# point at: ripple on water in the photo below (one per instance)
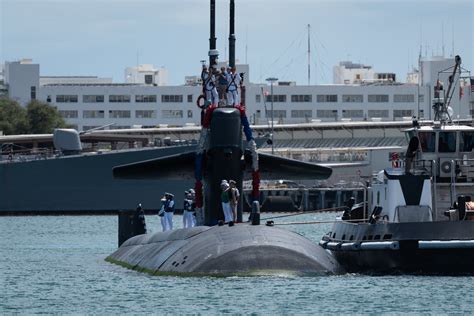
(56, 265)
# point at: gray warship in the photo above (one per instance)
(71, 181)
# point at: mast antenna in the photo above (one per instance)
(452, 28)
(442, 38)
(309, 55)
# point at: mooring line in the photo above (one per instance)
(307, 212)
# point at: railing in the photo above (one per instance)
(460, 169)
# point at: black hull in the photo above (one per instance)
(421, 248)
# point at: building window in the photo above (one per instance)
(301, 98)
(301, 113)
(427, 141)
(145, 114)
(190, 113)
(68, 114)
(93, 114)
(405, 98)
(190, 98)
(92, 98)
(352, 113)
(63, 98)
(276, 114)
(466, 142)
(119, 114)
(258, 98)
(326, 113)
(447, 142)
(327, 98)
(402, 113)
(33, 93)
(421, 98)
(378, 98)
(119, 98)
(48, 99)
(171, 114)
(377, 113)
(276, 98)
(151, 98)
(148, 79)
(352, 98)
(171, 98)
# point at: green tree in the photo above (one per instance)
(43, 118)
(13, 118)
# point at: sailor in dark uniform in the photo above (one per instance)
(188, 210)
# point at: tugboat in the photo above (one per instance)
(418, 218)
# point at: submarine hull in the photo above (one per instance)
(222, 250)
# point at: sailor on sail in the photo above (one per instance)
(233, 79)
(208, 81)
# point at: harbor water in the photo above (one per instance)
(56, 265)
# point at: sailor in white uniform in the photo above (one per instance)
(225, 201)
(209, 83)
(169, 211)
(233, 84)
(161, 214)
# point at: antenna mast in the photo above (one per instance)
(213, 53)
(442, 38)
(232, 35)
(309, 55)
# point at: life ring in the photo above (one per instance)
(198, 101)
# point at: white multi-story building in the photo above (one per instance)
(96, 102)
(349, 73)
(146, 74)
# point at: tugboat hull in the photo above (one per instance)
(422, 248)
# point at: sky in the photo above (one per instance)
(103, 37)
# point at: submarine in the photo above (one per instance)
(213, 248)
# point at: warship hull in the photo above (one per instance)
(83, 184)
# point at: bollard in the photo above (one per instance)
(255, 213)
